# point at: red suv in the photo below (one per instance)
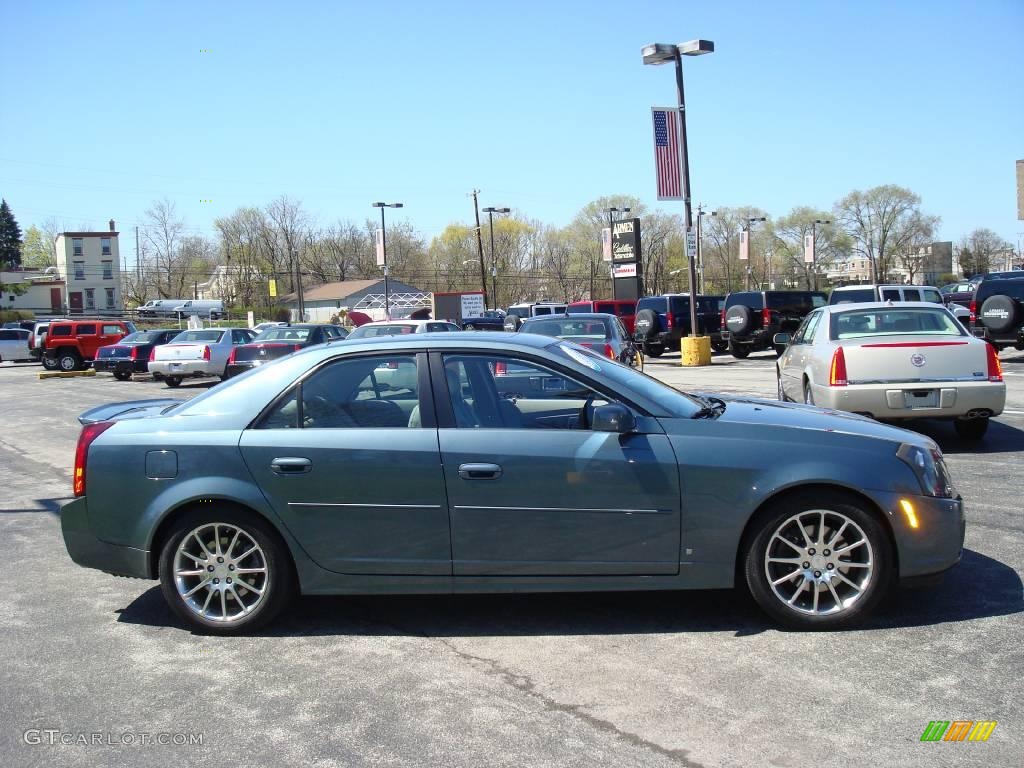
(71, 344)
(624, 309)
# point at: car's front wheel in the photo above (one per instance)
(69, 361)
(654, 350)
(225, 572)
(122, 375)
(818, 561)
(781, 391)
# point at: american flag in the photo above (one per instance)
(666, 153)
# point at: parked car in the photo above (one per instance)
(848, 294)
(14, 345)
(602, 333)
(998, 312)
(196, 354)
(519, 312)
(160, 308)
(959, 293)
(490, 320)
(260, 327)
(277, 342)
(661, 321)
(624, 309)
(911, 360)
(71, 344)
(131, 354)
(25, 325)
(750, 319)
(307, 476)
(37, 343)
(206, 308)
(401, 328)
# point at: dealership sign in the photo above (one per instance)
(626, 240)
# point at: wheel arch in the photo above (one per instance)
(852, 495)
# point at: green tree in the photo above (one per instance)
(37, 250)
(831, 243)
(983, 251)
(10, 237)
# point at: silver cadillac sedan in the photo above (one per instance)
(906, 360)
(461, 462)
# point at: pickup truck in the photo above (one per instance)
(198, 353)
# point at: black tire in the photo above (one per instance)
(654, 350)
(739, 351)
(738, 319)
(69, 360)
(122, 375)
(808, 393)
(719, 345)
(779, 391)
(1000, 313)
(173, 381)
(278, 587)
(645, 325)
(971, 429)
(862, 524)
(49, 363)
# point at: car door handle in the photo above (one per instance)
(291, 465)
(479, 471)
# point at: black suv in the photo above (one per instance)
(998, 312)
(661, 321)
(751, 318)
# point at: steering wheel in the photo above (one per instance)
(318, 411)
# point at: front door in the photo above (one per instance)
(352, 468)
(532, 491)
(75, 302)
(56, 305)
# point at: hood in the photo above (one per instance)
(133, 409)
(753, 410)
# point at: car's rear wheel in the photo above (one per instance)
(654, 350)
(224, 571)
(69, 361)
(50, 363)
(739, 351)
(781, 391)
(122, 375)
(719, 346)
(173, 381)
(808, 393)
(971, 429)
(818, 561)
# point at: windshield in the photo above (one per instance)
(391, 329)
(624, 379)
(862, 323)
(187, 336)
(283, 334)
(569, 329)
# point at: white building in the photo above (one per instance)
(89, 263)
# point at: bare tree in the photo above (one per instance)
(162, 234)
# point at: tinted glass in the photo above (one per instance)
(911, 294)
(893, 322)
(284, 334)
(567, 328)
(87, 329)
(60, 330)
(6, 335)
(929, 294)
(365, 392)
(856, 295)
(578, 309)
(1014, 288)
(750, 299)
(795, 301)
(391, 329)
(187, 336)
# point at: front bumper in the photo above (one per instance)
(182, 368)
(89, 552)
(120, 365)
(888, 401)
(936, 544)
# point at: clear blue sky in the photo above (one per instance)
(543, 105)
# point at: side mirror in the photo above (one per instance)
(613, 418)
(781, 339)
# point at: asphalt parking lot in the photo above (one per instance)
(662, 679)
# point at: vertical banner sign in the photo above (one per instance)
(744, 245)
(809, 249)
(627, 271)
(691, 242)
(272, 288)
(380, 247)
(606, 244)
(666, 153)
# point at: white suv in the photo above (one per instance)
(874, 292)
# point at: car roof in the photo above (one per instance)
(403, 320)
(573, 317)
(855, 305)
(479, 339)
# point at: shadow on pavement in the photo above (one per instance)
(1000, 438)
(980, 587)
(45, 505)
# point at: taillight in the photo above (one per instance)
(296, 347)
(974, 310)
(668, 319)
(31, 341)
(152, 354)
(722, 313)
(500, 369)
(135, 353)
(995, 368)
(89, 433)
(766, 317)
(837, 371)
(609, 352)
(206, 353)
(231, 357)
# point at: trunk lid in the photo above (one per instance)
(180, 352)
(906, 359)
(134, 409)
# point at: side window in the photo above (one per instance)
(109, 330)
(6, 335)
(890, 294)
(239, 336)
(87, 329)
(498, 392)
(813, 321)
(436, 327)
(911, 294)
(60, 330)
(798, 336)
(930, 295)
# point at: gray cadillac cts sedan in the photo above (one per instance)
(496, 463)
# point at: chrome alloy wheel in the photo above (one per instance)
(819, 562)
(220, 572)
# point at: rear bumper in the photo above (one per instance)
(120, 365)
(182, 368)
(89, 552)
(241, 367)
(887, 401)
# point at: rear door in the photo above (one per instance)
(349, 459)
(87, 335)
(532, 491)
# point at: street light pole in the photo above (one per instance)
(814, 251)
(751, 220)
(490, 211)
(384, 255)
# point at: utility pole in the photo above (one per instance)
(138, 258)
(480, 244)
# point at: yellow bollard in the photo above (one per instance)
(696, 350)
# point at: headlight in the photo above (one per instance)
(930, 469)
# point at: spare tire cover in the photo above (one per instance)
(738, 319)
(512, 322)
(646, 324)
(999, 313)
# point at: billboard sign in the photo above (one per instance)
(626, 240)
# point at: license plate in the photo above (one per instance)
(175, 366)
(921, 398)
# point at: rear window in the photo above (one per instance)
(188, 336)
(284, 334)
(1013, 288)
(143, 337)
(854, 296)
(578, 309)
(795, 301)
(392, 329)
(567, 328)
(750, 299)
(857, 324)
(681, 305)
(654, 303)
